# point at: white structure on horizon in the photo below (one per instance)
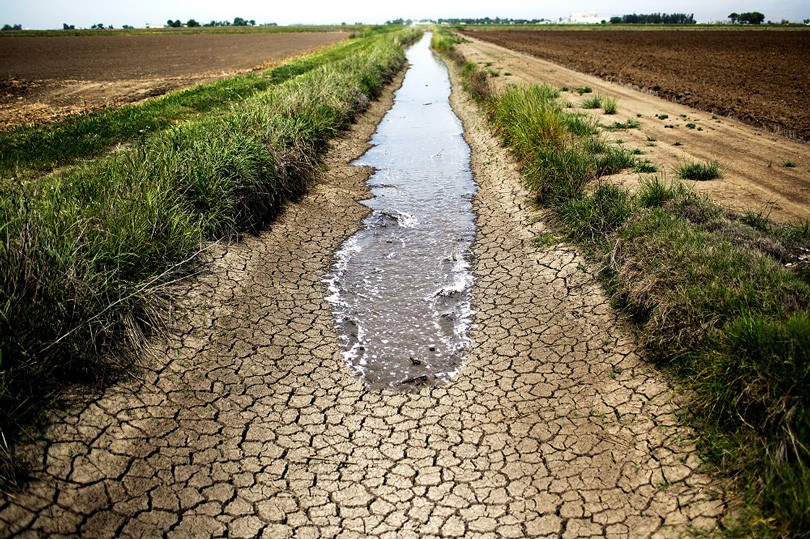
(587, 17)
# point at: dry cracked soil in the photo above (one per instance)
(246, 422)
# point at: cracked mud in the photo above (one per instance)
(247, 422)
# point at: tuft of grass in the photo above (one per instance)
(593, 102)
(789, 164)
(545, 240)
(583, 90)
(610, 105)
(655, 191)
(699, 171)
(644, 167)
(628, 124)
(691, 125)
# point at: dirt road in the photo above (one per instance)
(753, 161)
(44, 78)
(248, 423)
(758, 76)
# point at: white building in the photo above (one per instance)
(587, 17)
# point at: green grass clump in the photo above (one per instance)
(593, 102)
(583, 90)
(628, 124)
(644, 167)
(609, 105)
(789, 164)
(698, 171)
(86, 253)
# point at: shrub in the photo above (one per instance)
(699, 171)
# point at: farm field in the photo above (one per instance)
(759, 77)
(755, 175)
(44, 78)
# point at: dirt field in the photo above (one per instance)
(759, 77)
(42, 78)
(753, 162)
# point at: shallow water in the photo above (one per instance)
(401, 285)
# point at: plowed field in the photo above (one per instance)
(760, 77)
(47, 77)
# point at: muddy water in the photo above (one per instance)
(401, 285)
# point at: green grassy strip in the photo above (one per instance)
(85, 254)
(29, 150)
(358, 28)
(719, 299)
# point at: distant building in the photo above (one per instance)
(587, 17)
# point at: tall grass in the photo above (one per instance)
(86, 254)
(720, 300)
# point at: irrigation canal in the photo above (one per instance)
(401, 285)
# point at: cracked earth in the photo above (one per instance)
(246, 421)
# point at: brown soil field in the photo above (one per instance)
(759, 77)
(43, 78)
(755, 177)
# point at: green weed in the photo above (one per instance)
(698, 171)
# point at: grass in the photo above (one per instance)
(789, 164)
(698, 171)
(609, 105)
(593, 102)
(86, 253)
(720, 300)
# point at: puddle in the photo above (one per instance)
(401, 285)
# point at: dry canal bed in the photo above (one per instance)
(42, 78)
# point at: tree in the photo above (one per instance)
(239, 21)
(615, 20)
(733, 17)
(753, 17)
(66, 26)
(174, 24)
(7, 27)
(192, 23)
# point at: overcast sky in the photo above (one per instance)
(83, 13)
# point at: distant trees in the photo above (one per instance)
(100, 26)
(66, 26)
(192, 23)
(733, 17)
(9, 27)
(655, 18)
(174, 24)
(753, 17)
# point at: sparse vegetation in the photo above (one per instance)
(609, 105)
(698, 171)
(583, 90)
(719, 300)
(789, 164)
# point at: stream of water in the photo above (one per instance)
(401, 285)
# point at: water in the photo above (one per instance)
(401, 285)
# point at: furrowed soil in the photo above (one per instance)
(761, 77)
(45, 78)
(753, 162)
(247, 422)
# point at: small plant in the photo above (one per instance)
(662, 116)
(609, 105)
(697, 171)
(789, 164)
(645, 167)
(637, 151)
(651, 138)
(507, 74)
(629, 124)
(565, 89)
(691, 125)
(669, 126)
(593, 102)
(544, 240)
(583, 90)
(677, 143)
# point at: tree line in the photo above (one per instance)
(752, 17)
(655, 18)
(191, 23)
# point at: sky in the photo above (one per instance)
(39, 14)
